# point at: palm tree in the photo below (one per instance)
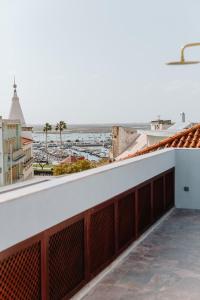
(46, 129)
(60, 126)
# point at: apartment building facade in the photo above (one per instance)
(11, 152)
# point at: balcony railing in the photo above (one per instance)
(17, 155)
(57, 235)
(28, 162)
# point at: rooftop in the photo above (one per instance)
(26, 141)
(161, 121)
(188, 138)
(71, 159)
(60, 237)
(165, 265)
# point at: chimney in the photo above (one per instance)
(182, 117)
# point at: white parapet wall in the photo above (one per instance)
(187, 192)
(30, 210)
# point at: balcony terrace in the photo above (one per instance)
(59, 235)
(165, 265)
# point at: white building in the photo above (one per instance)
(126, 141)
(11, 152)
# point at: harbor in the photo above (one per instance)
(91, 146)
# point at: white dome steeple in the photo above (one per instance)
(15, 110)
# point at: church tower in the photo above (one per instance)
(15, 110)
(26, 135)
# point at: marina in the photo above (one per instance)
(91, 146)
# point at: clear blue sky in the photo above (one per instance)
(90, 61)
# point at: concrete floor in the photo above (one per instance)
(165, 266)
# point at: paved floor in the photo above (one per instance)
(166, 265)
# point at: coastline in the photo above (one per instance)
(92, 128)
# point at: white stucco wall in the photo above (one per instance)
(30, 210)
(187, 174)
(154, 139)
(1, 155)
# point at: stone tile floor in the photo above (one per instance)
(166, 265)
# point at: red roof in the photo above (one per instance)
(71, 159)
(26, 141)
(188, 138)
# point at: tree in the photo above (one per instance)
(69, 168)
(78, 166)
(42, 165)
(60, 126)
(46, 129)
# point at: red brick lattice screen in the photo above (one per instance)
(158, 198)
(144, 207)
(102, 237)
(20, 274)
(66, 271)
(59, 261)
(126, 220)
(169, 189)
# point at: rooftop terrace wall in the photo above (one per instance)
(188, 177)
(30, 210)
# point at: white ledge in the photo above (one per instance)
(22, 189)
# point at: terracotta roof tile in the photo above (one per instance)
(188, 138)
(72, 159)
(26, 141)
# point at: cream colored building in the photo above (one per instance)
(28, 158)
(11, 152)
